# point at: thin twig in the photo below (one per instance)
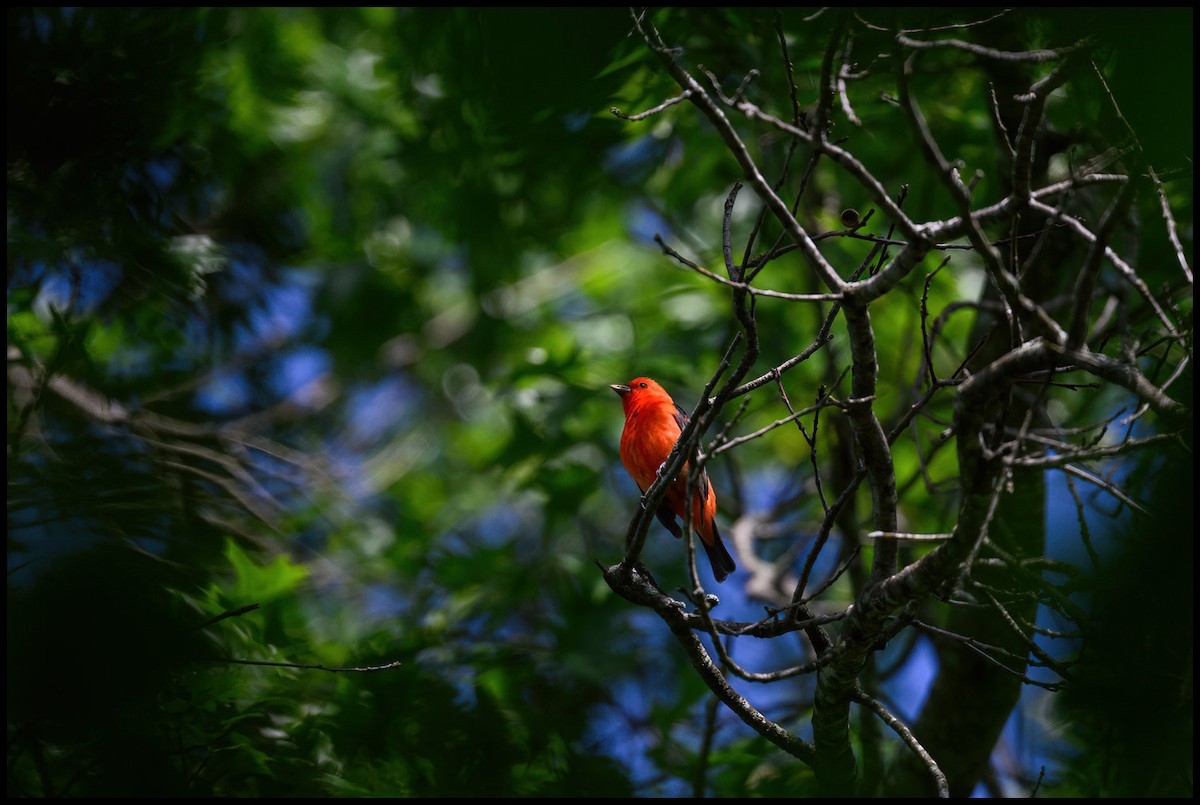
(304, 667)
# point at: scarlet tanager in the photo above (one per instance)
(653, 423)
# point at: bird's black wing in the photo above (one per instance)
(681, 419)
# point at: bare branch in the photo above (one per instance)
(906, 735)
(1027, 56)
(300, 666)
(649, 112)
(1172, 228)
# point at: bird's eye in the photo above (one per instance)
(643, 385)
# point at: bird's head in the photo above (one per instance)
(641, 391)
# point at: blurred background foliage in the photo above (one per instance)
(315, 309)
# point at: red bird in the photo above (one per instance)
(653, 423)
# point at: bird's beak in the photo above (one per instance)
(620, 388)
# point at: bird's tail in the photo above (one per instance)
(718, 556)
